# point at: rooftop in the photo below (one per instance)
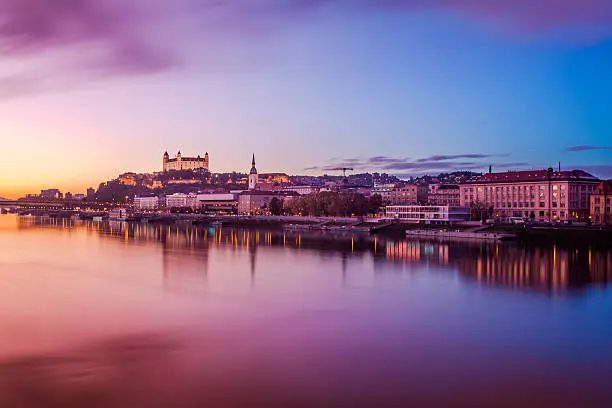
(533, 175)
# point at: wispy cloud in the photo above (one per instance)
(117, 31)
(431, 164)
(120, 37)
(583, 148)
(439, 158)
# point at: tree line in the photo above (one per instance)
(331, 204)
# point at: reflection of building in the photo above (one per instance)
(185, 163)
(541, 195)
(511, 266)
(444, 194)
(428, 214)
(601, 199)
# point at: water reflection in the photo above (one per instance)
(136, 315)
(508, 265)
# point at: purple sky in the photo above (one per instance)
(89, 89)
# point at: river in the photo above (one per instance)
(133, 315)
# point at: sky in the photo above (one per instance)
(90, 89)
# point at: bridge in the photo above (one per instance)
(51, 205)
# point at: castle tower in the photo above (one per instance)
(165, 161)
(253, 177)
(206, 162)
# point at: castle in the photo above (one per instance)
(185, 163)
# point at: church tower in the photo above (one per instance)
(165, 161)
(253, 177)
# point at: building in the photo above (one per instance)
(444, 194)
(218, 203)
(253, 177)
(180, 200)
(601, 204)
(91, 193)
(128, 179)
(540, 195)
(304, 190)
(78, 196)
(274, 178)
(257, 202)
(51, 194)
(146, 203)
(185, 163)
(403, 195)
(68, 196)
(428, 214)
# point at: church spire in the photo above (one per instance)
(253, 169)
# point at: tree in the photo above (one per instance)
(276, 206)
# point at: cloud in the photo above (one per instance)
(435, 163)
(583, 148)
(453, 157)
(115, 32)
(140, 37)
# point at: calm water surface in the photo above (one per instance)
(118, 315)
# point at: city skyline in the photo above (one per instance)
(106, 87)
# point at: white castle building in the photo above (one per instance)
(185, 163)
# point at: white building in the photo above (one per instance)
(180, 200)
(253, 176)
(146, 203)
(428, 214)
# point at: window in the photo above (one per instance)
(541, 213)
(542, 205)
(555, 187)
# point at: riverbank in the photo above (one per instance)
(562, 234)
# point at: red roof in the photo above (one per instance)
(604, 188)
(533, 175)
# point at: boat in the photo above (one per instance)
(216, 224)
(487, 236)
(97, 218)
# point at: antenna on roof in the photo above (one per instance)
(490, 168)
(559, 166)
